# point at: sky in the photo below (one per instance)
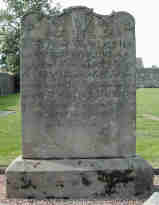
(146, 14)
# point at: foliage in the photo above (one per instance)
(10, 19)
(9, 48)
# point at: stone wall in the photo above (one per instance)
(6, 84)
(147, 78)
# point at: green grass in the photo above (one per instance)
(10, 130)
(10, 102)
(147, 130)
(147, 101)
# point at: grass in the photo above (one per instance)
(10, 102)
(10, 130)
(147, 130)
(148, 101)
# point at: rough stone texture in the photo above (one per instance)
(6, 84)
(78, 108)
(79, 178)
(78, 85)
(147, 78)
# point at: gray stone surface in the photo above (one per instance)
(79, 178)
(153, 200)
(78, 109)
(78, 85)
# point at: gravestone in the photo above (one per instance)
(78, 108)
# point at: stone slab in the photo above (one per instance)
(153, 200)
(78, 85)
(79, 178)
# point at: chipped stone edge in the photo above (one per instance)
(71, 9)
(137, 168)
(4, 168)
(77, 164)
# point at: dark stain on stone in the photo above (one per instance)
(27, 183)
(79, 162)
(54, 197)
(112, 179)
(36, 164)
(60, 185)
(8, 182)
(137, 194)
(85, 181)
(2, 171)
(50, 197)
(30, 197)
(139, 189)
(66, 197)
(34, 186)
(95, 194)
(142, 182)
(74, 183)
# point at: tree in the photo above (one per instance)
(10, 26)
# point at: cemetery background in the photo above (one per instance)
(147, 128)
(151, 116)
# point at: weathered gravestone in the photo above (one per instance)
(78, 108)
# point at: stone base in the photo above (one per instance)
(123, 178)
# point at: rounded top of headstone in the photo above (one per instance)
(78, 74)
(69, 9)
(32, 16)
(86, 9)
(124, 13)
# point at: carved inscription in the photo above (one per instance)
(78, 85)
